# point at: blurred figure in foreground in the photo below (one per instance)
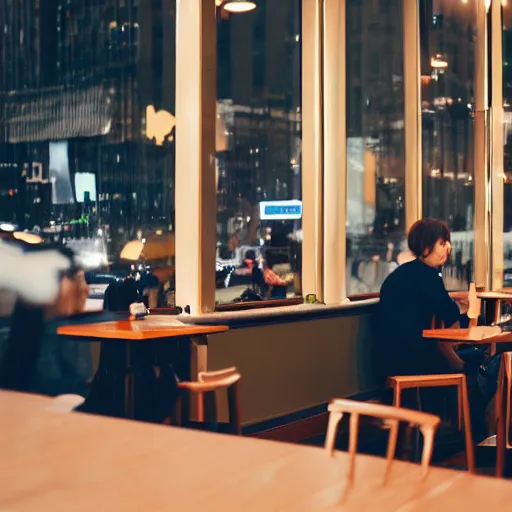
(46, 284)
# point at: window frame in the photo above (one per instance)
(324, 167)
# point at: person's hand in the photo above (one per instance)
(463, 305)
(462, 300)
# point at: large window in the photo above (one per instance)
(375, 142)
(507, 140)
(259, 152)
(87, 133)
(448, 35)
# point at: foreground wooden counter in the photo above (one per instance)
(76, 462)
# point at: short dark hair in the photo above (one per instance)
(424, 234)
(250, 255)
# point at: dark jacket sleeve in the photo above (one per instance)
(442, 304)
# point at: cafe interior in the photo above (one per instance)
(210, 214)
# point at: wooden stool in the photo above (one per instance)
(503, 412)
(205, 389)
(427, 423)
(399, 383)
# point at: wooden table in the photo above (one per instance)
(507, 297)
(126, 346)
(464, 336)
(77, 462)
(150, 328)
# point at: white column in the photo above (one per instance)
(312, 148)
(497, 149)
(481, 145)
(412, 112)
(196, 96)
(335, 151)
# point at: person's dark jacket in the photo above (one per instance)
(409, 298)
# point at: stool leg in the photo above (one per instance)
(500, 447)
(428, 448)
(470, 451)
(497, 312)
(397, 392)
(417, 440)
(460, 400)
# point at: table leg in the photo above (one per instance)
(497, 312)
(129, 383)
(108, 387)
(198, 356)
(198, 363)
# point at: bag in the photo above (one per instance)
(487, 377)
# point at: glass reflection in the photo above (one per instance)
(87, 93)
(259, 152)
(507, 134)
(375, 142)
(447, 32)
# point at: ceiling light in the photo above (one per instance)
(239, 5)
(439, 61)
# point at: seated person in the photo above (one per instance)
(257, 281)
(410, 297)
(275, 284)
(266, 283)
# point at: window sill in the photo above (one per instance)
(282, 314)
(242, 306)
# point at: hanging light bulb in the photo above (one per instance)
(239, 5)
(218, 3)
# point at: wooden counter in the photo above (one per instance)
(77, 462)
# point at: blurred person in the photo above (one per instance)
(266, 283)
(258, 285)
(20, 274)
(276, 285)
(72, 296)
(49, 285)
